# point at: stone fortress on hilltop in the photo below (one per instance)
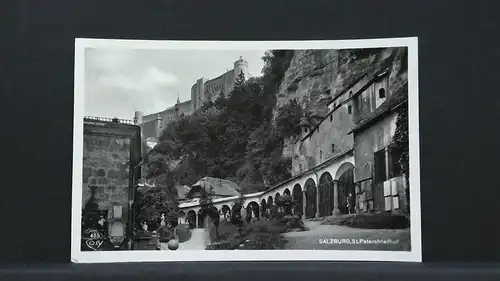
(202, 91)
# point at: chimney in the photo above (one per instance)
(138, 117)
(158, 125)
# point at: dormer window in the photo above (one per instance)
(305, 130)
(381, 93)
(350, 93)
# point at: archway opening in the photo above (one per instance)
(253, 211)
(270, 201)
(226, 212)
(287, 192)
(347, 191)
(297, 198)
(191, 219)
(326, 199)
(310, 188)
(263, 206)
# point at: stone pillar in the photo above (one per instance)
(158, 125)
(243, 213)
(317, 201)
(336, 210)
(196, 216)
(304, 204)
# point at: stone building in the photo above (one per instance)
(111, 154)
(380, 185)
(202, 91)
(356, 132)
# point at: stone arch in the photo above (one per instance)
(225, 211)
(326, 197)
(346, 166)
(270, 201)
(276, 197)
(253, 210)
(297, 198)
(345, 177)
(287, 192)
(263, 205)
(191, 218)
(310, 188)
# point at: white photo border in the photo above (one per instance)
(415, 255)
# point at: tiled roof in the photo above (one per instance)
(220, 187)
(397, 98)
(182, 191)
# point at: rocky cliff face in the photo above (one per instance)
(316, 76)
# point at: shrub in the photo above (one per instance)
(372, 221)
(293, 222)
(226, 230)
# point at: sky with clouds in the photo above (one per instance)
(121, 81)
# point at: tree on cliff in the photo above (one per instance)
(287, 119)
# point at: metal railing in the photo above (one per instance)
(109, 120)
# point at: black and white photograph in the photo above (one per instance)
(246, 150)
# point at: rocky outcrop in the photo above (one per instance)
(316, 76)
(308, 79)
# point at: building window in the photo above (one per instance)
(333, 147)
(379, 166)
(331, 117)
(334, 105)
(305, 130)
(321, 155)
(350, 93)
(349, 109)
(381, 93)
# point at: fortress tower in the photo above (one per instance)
(240, 66)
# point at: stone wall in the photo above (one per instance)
(108, 155)
(371, 195)
(224, 83)
(328, 140)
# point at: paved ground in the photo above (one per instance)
(327, 237)
(198, 240)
